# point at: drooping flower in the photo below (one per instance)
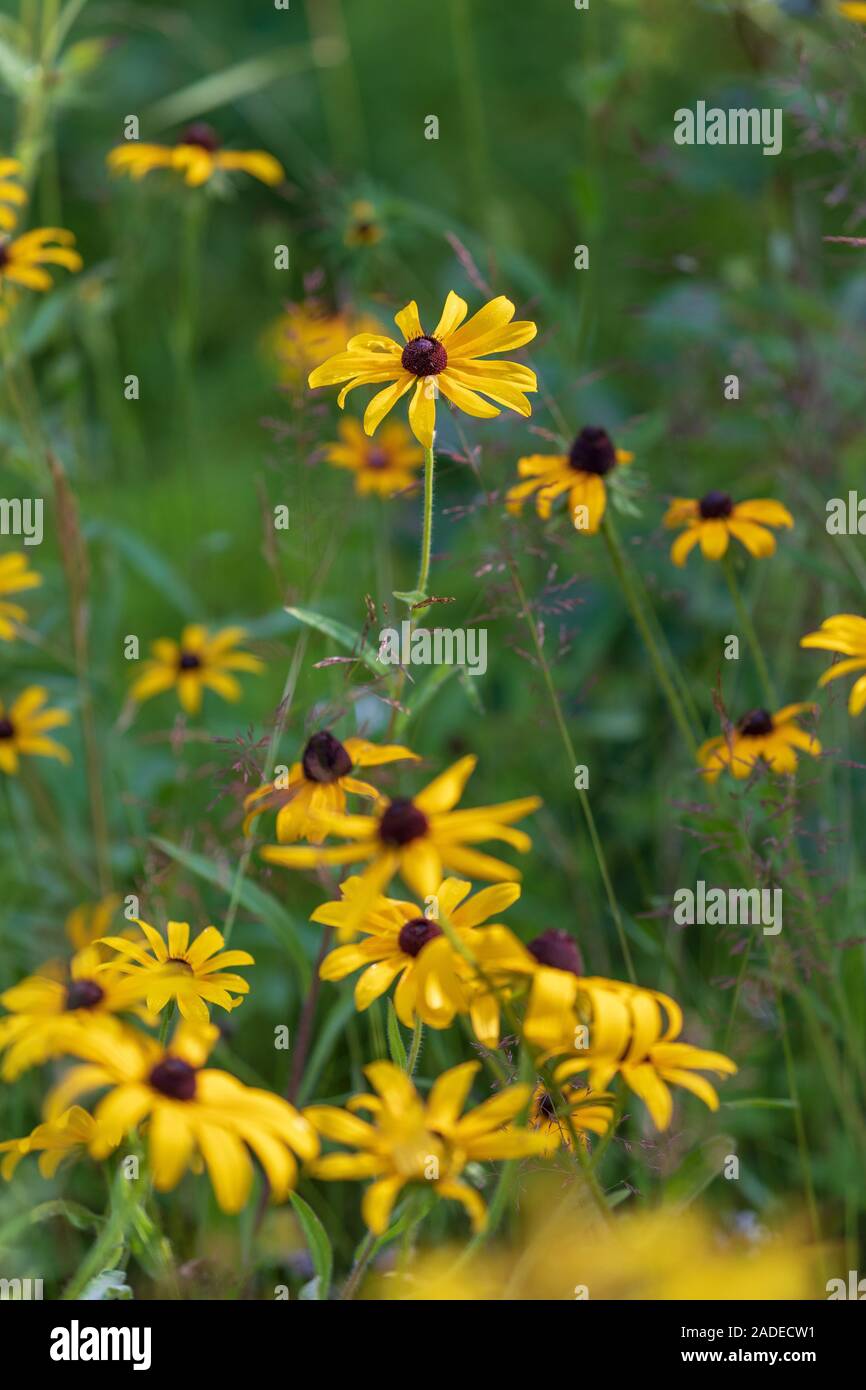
(450, 360)
(417, 837)
(585, 1112)
(23, 260)
(410, 1141)
(15, 577)
(194, 1113)
(759, 737)
(715, 517)
(46, 1010)
(405, 941)
(23, 726)
(198, 156)
(581, 473)
(87, 922)
(191, 973)
(383, 466)
(11, 192)
(196, 663)
(54, 1140)
(845, 634)
(319, 782)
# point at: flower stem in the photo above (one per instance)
(415, 1048)
(748, 627)
(427, 533)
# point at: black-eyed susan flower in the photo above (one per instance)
(192, 973)
(319, 782)
(844, 634)
(15, 576)
(12, 195)
(23, 259)
(715, 517)
(197, 662)
(417, 837)
(436, 981)
(45, 1010)
(193, 1113)
(759, 737)
(198, 156)
(853, 9)
(87, 922)
(581, 473)
(581, 1112)
(67, 1136)
(23, 728)
(384, 465)
(408, 1141)
(363, 227)
(450, 360)
(608, 1028)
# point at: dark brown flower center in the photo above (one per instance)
(7, 729)
(756, 723)
(325, 759)
(83, 994)
(425, 357)
(715, 504)
(174, 1078)
(5, 258)
(415, 935)
(189, 661)
(401, 823)
(201, 134)
(557, 949)
(377, 458)
(546, 1107)
(593, 451)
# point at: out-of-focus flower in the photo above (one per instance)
(89, 921)
(196, 663)
(715, 517)
(319, 782)
(198, 156)
(585, 1112)
(759, 737)
(73, 1130)
(307, 333)
(450, 360)
(23, 726)
(15, 576)
(844, 634)
(417, 837)
(363, 227)
(23, 259)
(581, 473)
(408, 1140)
(11, 192)
(194, 1114)
(383, 466)
(853, 9)
(191, 974)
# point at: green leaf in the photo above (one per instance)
(148, 564)
(79, 1217)
(318, 1244)
(220, 88)
(341, 634)
(252, 898)
(410, 596)
(760, 1103)
(395, 1041)
(109, 1285)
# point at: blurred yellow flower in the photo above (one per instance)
(581, 473)
(384, 466)
(197, 156)
(23, 726)
(449, 360)
(192, 974)
(15, 577)
(844, 634)
(306, 333)
(408, 1140)
(715, 517)
(198, 662)
(23, 259)
(759, 737)
(89, 921)
(363, 227)
(53, 1140)
(585, 1112)
(853, 9)
(11, 192)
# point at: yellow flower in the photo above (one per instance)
(436, 981)
(45, 1010)
(714, 518)
(605, 1027)
(22, 260)
(759, 736)
(193, 1113)
(417, 837)
(15, 576)
(410, 1141)
(10, 192)
(89, 921)
(448, 360)
(306, 333)
(197, 662)
(580, 473)
(53, 1141)
(846, 634)
(364, 228)
(384, 467)
(319, 782)
(23, 727)
(193, 974)
(197, 155)
(853, 9)
(587, 1111)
